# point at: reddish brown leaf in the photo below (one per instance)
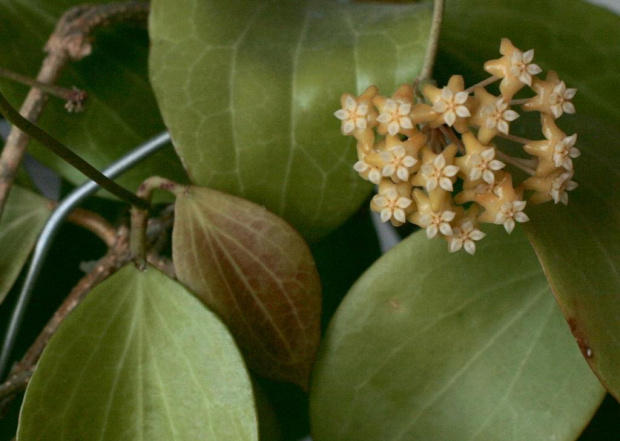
(257, 273)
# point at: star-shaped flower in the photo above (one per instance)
(451, 104)
(552, 96)
(503, 205)
(515, 68)
(391, 204)
(357, 115)
(492, 115)
(398, 165)
(479, 162)
(437, 222)
(554, 187)
(465, 236)
(437, 170)
(556, 151)
(394, 112)
(434, 219)
(369, 172)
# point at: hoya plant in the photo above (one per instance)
(199, 202)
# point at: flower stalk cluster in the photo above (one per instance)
(416, 146)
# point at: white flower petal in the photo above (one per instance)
(476, 235)
(462, 111)
(360, 166)
(450, 170)
(488, 177)
(569, 94)
(475, 173)
(445, 229)
(568, 107)
(496, 165)
(362, 109)
(470, 247)
(431, 184)
(502, 126)
(341, 114)
(510, 115)
(374, 176)
(564, 198)
(533, 69)
(490, 122)
(431, 231)
(380, 201)
(449, 117)
(488, 154)
(350, 103)
(448, 216)
(425, 220)
(440, 106)
(521, 217)
(528, 56)
(525, 78)
(509, 225)
(460, 97)
(388, 170)
(409, 161)
(446, 184)
(386, 214)
(402, 173)
(399, 215)
(384, 118)
(403, 202)
(404, 109)
(393, 128)
(405, 123)
(569, 141)
(390, 106)
(455, 245)
(439, 162)
(360, 123)
(518, 205)
(556, 109)
(447, 94)
(348, 127)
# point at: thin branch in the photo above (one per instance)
(71, 40)
(433, 41)
(94, 223)
(15, 384)
(65, 153)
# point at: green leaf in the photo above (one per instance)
(20, 225)
(432, 345)
(256, 273)
(578, 245)
(120, 111)
(139, 359)
(248, 91)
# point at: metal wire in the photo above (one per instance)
(51, 229)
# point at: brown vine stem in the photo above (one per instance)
(433, 41)
(139, 216)
(65, 153)
(71, 40)
(94, 223)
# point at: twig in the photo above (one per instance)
(65, 153)
(71, 40)
(15, 384)
(433, 41)
(94, 223)
(74, 97)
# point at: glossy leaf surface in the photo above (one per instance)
(22, 221)
(140, 358)
(120, 111)
(248, 91)
(256, 273)
(432, 345)
(578, 245)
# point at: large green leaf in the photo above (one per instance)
(140, 359)
(578, 245)
(22, 221)
(120, 111)
(248, 91)
(430, 345)
(256, 272)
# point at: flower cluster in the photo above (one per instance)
(416, 145)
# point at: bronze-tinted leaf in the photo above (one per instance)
(257, 273)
